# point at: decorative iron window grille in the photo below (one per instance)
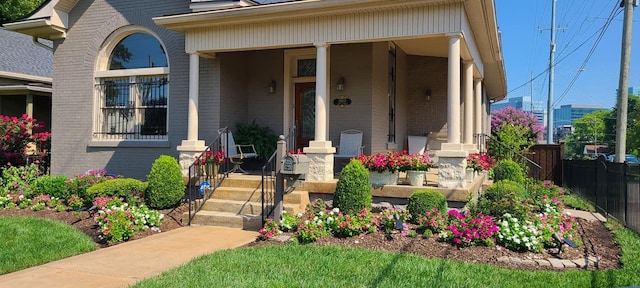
(132, 108)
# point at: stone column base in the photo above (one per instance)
(189, 150)
(452, 166)
(320, 155)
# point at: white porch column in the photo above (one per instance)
(191, 147)
(453, 86)
(468, 103)
(477, 107)
(322, 83)
(452, 158)
(320, 150)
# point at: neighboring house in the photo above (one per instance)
(595, 150)
(136, 79)
(25, 77)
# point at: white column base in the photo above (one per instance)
(320, 155)
(452, 165)
(471, 148)
(189, 150)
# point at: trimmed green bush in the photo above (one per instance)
(353, 190)
(126, 188)
(54, 186)
(422, 201)
(166, 187)
(503, 197)
(507, 169)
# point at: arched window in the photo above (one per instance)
(132, 87)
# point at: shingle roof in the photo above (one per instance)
(18, 54)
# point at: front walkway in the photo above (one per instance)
(130, 262)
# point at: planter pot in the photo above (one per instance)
(470, 174)
(416, 178)
(209, 170)
(378, 179)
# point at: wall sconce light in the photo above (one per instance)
(341, 101)
(340, 84)
(272, 87)
(427, 95)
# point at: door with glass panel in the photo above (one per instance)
(305, 113)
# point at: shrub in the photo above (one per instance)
(353, 191)
(129, 189)
(503, 197)
(80, 184)
(468, 229)
(423, 201)
(387, 221)
(508, 169)
(519, 235)
(166, 187)
(17, 134)
(54, 186)
(19, 179)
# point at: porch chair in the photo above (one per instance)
(236, 152)
(417, 144)
(350, 144)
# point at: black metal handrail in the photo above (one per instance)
(483, 137)
(269, 176)
(205, 179)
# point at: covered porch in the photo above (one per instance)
(390, 69)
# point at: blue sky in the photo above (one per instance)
(525, 29)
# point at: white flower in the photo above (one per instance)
(336, 210)
(299, 215)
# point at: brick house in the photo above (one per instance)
(136, 79)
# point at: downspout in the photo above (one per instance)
(35, 41)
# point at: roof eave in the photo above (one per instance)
(39, 28)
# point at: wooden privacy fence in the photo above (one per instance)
(549, 157)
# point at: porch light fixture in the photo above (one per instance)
(272, 87)
(340, 84)
(427, 95)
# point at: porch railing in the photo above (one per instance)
(205, 179)
(484, 140)
(269, 177)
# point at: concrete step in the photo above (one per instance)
(243, 181)
(255, 195)
(225, 219)
(243, 207)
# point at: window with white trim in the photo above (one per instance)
(131, 88)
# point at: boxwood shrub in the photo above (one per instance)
(166, 186)
(422, 201)
(353, 190)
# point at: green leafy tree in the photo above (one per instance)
(633, 126)
(11, 10)
(589, 130)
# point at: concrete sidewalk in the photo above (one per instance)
(130, 262)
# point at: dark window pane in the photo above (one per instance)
(307, 67)
(138, 50)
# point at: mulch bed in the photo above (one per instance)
(596, 240)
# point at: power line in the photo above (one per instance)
(586, 60)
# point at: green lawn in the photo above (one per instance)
(27, 242)
(311, 266)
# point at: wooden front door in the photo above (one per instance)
(305, 113)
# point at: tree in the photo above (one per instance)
(633, 126)
(11, 10)
(589, 130)
(515, 131)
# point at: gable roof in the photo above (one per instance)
(23, 58)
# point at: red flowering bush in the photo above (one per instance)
(479, 162)
(381, 162)
(211, 157)
(414, 162)
(467, 229)
(16, 134)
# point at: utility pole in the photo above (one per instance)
(623, 92)
(551, 74)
